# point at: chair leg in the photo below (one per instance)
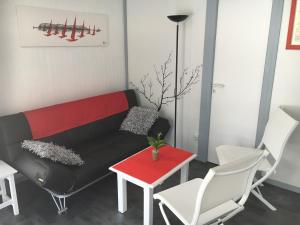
(258, 190)
(220, 222)
(262, 199)
(163, 213)
(260, 185)
(60, 203)
(230, 215)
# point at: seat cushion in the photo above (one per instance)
(229, 153)
(181, 200)
(101, 153)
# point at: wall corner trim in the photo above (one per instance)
(269, 70)
(207, 77)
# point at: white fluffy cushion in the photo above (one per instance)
(139, 120)
(53, 152)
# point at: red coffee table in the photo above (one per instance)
(141, 170)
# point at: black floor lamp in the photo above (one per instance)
(176, 19)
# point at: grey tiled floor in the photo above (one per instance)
(97, 205)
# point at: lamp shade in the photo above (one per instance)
(177, 18)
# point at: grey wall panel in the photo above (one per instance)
(207, 77)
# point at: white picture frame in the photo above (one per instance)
(40, 27)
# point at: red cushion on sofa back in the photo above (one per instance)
(51, 120)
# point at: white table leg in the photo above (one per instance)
(184, 173)
(3, 190)
(148, 206)
(122, 194)
(13, 193)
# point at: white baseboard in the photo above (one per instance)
(284, 185)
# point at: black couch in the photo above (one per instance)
(90, 127)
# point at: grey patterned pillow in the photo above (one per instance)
(53, 152)
(139, 120)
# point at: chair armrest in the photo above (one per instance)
(45, 173)
(161, 125)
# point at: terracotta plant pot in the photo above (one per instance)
(155, 154)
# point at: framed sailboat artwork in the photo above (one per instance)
(51, 27)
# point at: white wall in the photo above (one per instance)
(286, 92)
(35, 77)
(151, 37)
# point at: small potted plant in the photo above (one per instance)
(157, 143)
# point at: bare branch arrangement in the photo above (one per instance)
(186, 81)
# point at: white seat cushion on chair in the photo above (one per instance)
(181, 200)
(229, 153)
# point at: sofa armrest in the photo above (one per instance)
(161, 125)
(49, 175)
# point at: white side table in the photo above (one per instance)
(7, 172)
(135, 170)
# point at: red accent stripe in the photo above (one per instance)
(54, 119)
(289, 44)
(144, 168)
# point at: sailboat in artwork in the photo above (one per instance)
(82, 31)
(64, 30)
(89, 30)
(74, 30)
(94, 30)
(49, 30)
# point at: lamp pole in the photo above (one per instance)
(177, 19)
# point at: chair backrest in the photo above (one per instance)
(277, 132)
(231, 181)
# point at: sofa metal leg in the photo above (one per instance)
(60, 203)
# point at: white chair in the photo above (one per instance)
(214, 199)
(277, 132)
